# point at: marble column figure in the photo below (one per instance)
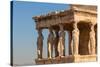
(56, 40)
(92, 38)
(70, 43)
(95, 28)
(40, 44)
(61, 44)
(75, 38)
(50, 44)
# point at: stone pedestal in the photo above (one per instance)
(85, 58)
(68, 59)
(39, 62)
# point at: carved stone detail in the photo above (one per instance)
(50, 43)
(40, 44)
(61, 44)
(75, 38)
(92, 38)
(70, 43)
(56, 40)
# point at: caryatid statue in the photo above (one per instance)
(61, 44)
(75, 38)
(92, 39)
(40, 44)
(56, 40)
(50, 43)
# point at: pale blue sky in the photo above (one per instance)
(24, 32)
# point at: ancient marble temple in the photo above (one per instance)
(81, 23)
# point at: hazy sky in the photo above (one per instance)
(24, 32)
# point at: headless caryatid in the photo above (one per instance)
(92, 39)
(56, 40)
(50, 44)
(75, 38)
(39, 44)
(61, 44)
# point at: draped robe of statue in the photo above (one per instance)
(89, 47)
(61, 44)
(40, 45)
(75, 37)
(92, 39)
(50, 44)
